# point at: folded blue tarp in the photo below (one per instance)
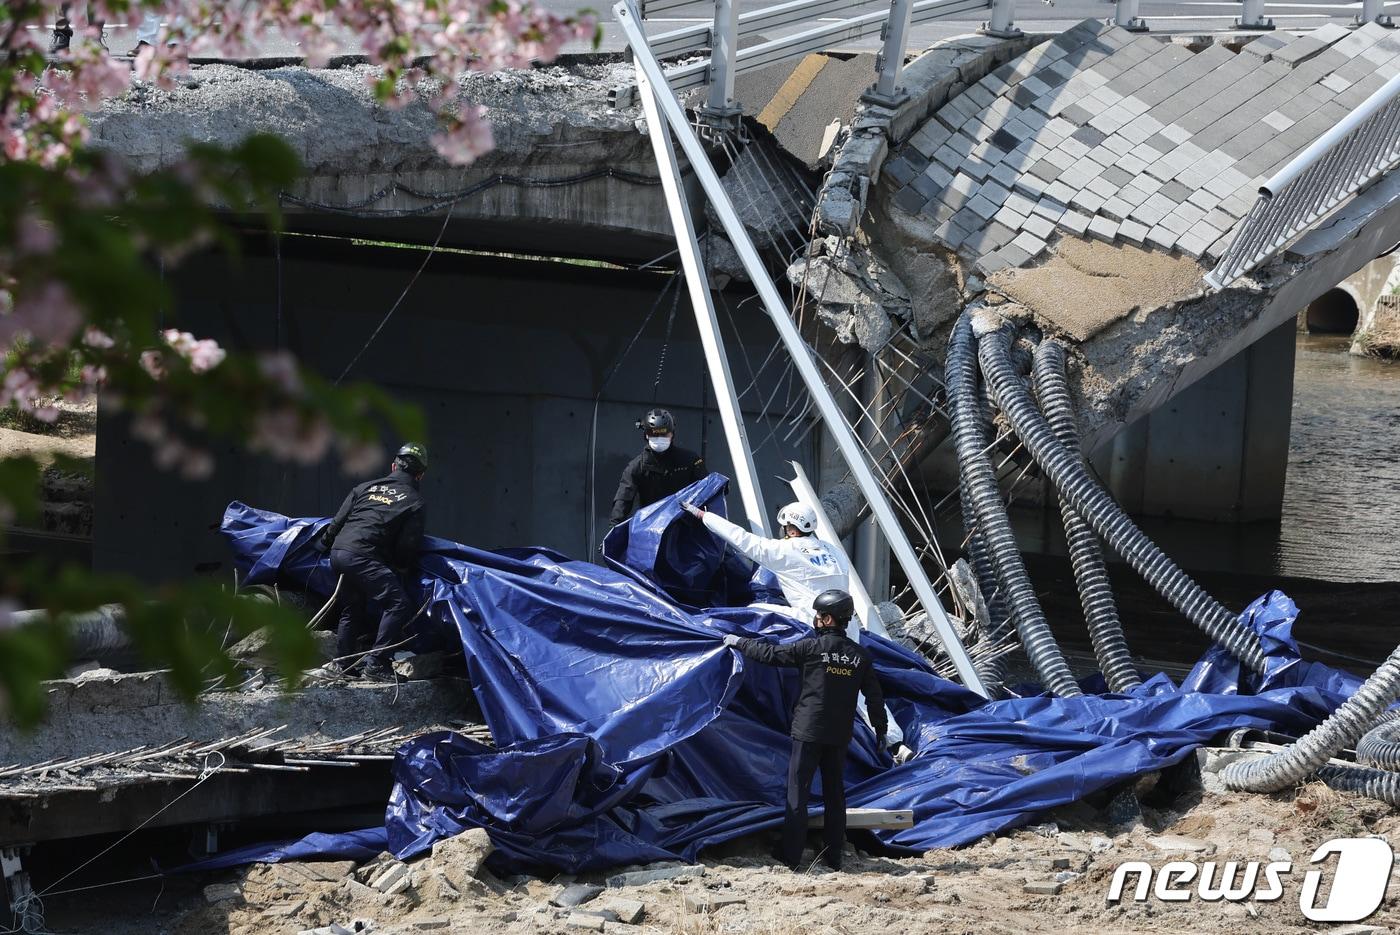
(627, 732)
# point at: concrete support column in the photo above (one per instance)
(872, 556)
(1217, 451)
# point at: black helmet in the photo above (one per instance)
(657, 422)
(412, 458)
(835, 602)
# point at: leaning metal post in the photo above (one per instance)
(797, 348)
(1125, 14)
(716, 361)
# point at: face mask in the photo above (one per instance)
(659, 443)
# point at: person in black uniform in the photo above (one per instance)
(373, 540)
(834, 670)
(659, 471)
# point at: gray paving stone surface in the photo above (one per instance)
(1129, 138)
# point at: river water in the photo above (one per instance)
(1341, 502)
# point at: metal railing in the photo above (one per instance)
(1252, 15)
(721, 38)
(1354, 153)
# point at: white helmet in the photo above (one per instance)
(799, 515)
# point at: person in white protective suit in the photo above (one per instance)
(804, 565)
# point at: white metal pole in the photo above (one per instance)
(716, 361)
(797, 349)
(1373, 11)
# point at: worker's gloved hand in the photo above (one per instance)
(902, 754)
(693, 510)
(731, 640)
(319, 543)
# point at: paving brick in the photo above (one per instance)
(992, 262)
(1116, 208)
(1080, 174)
(977, 168)
(1075, 222)
(1050, 209)
(980, 95)
(1160, 143)
(1220, 219)
(948, 157)
(1019, 203)
(1076, 114)
(1278, 121)
(989, 238)
(1060, 191)
(1135, 133)
(1014, 255)
(1009, 218)
(898, 171)
(928, 187)
(1132, 231)
(1160, 236)
(910, 200)
(1032, 245)
(1089, 136)
(1203, 199)
(983, 207)
(1117, 145)
(1133, 164)
(1038, 226)
(1195, 242)
(1046, 170)
(937, 211)
(1004, 175)
(1031, 185)
(1103, 229)
(1152, 210)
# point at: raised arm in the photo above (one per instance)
(771, 654)
(766, 552)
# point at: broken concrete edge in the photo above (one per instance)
(941, 73)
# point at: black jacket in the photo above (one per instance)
(651, 476)
(382, 519)
(834, 669)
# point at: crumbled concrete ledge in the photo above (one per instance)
(941, 73)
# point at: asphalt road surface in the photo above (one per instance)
(1031, 15)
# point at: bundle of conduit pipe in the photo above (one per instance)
(984, 360)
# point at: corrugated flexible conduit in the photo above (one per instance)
(1085, 554)
(1092, 502)
(990, 514)
(1309, 755)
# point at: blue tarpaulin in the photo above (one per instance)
(626, 732)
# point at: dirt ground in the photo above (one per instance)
(980, 889)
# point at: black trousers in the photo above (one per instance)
(806, 759)
(367, 579)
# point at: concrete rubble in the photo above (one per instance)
(1051, 877)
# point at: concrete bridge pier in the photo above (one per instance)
(1218, 450)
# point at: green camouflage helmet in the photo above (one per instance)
(413, 458)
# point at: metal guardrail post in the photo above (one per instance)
(1001, 24)
(1125, 15)
(890, 62)
(1373, 11)
(798, 350)
(719, 111)
(1252, 16)
(716, 361)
